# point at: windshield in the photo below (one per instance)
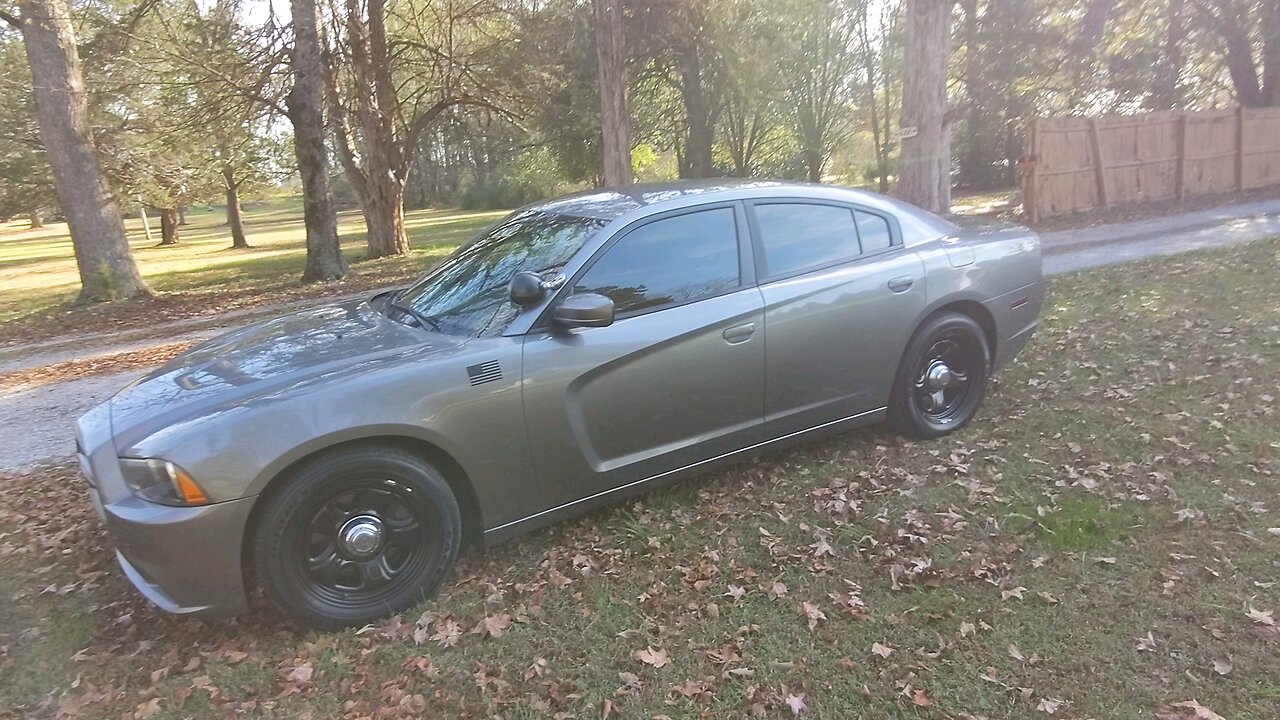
(466, 294)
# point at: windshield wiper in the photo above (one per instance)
(424, 321)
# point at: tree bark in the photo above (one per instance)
(698, 115)
(169, 222)
(615, 119)
(107, 269)
(925, 174)
(234, 219)
(306, 110)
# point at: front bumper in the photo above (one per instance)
(186, 560)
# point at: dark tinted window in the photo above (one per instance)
(874, 232)
(669, 261)
(798, 236)
(466, 294)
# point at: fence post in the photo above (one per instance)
(1240, 148)
(1181, 177)
(1099, 166)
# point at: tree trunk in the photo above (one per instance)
(37, 219)
(696, 109)
(169, 222)
(306, 111)
(234, 220)
(814, 160)
(146, 223)
(925, 174)
(384, 217)
(107, 269)
(615, 119)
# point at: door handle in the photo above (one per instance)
(901, 284)
(739, 333)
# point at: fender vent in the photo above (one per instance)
(484, 372)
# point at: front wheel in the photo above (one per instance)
(942, 377)
(356, 534)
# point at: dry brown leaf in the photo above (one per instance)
(812, 615)
(881, 649)
(649, 656)
(1262, 617)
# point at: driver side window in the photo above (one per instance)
(671, 261)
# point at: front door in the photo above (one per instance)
(677, 378)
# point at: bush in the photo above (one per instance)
(530, 176)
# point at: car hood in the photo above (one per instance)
(265, 357)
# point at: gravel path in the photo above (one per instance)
(36, 423)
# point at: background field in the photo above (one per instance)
(202, 274)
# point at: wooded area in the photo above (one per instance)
(125, 106)
(1079, 164)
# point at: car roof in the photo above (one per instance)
(609, 204)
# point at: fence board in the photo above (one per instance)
(1078, 164)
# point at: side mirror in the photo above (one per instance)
(584, 310)
(526, 288)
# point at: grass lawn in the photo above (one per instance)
(202, 274)
(1103, 542)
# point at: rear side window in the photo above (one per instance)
(801, 236)
(668, 262)
(874, 232)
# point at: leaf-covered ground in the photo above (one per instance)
(1104, 542)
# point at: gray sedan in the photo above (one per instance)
(577, 352)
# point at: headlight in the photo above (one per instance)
(160, 481)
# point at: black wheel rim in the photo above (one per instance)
(945, 379)
(363, 545)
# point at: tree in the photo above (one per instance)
(615, 119)
(820, 75)
(106, 265)
(376, 130)
(925, 163)
(306, 110)
(1255, 75)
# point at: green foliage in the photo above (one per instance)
(532, 175)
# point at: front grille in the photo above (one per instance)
(484, 372)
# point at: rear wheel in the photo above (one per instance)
(942, 378)
(356, 534)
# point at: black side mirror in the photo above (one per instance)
(584, 310)
(526, 288)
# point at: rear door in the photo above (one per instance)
(677, 378)
(840, 295)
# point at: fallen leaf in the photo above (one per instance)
(812, 614)
(629, 679)
(1202, 712)
(1016, 654)
(493, 626)
(147, 709)
(796, 703)
(1222, 667)
(967, 629)
(1262, 617)
(920, 699)
(1049, 705)
(1147, 644)
(881, 649)
(649, 656)
(301, 674)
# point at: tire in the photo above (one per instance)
(356, 534)
(928, 401)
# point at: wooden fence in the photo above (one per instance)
(1075, 164)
